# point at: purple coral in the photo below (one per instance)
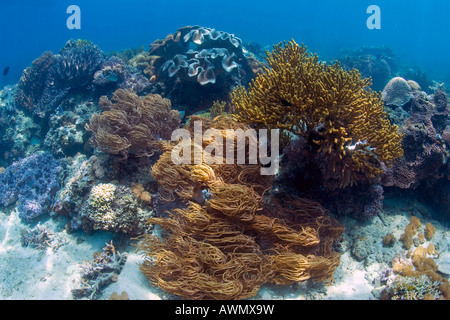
(33, 182)
(114, 73)
(425, 152)
(46, 83)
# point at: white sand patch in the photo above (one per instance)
(27, 273)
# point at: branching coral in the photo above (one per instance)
(331, 108)
(227, 244)
(132, 125)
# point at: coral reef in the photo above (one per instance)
(101, 271)
(93, 199)
(413, 288)
(332, 109)
(115, 74)
(44, 85)
(132, 125)
(33, 182)
(73, 68)
(33, 82)
(229, 243)
(425, 152)
(195, 66)
(414, 274)
(378, 63)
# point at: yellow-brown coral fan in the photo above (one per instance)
(131, 124)
(326, 105)
(226, 245)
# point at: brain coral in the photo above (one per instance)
(397, 92)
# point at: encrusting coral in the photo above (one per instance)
(228, 241)
(331, 108)
(132, 125)
(416, 273)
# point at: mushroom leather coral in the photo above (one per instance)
(331, 108)
(131, 124)
(228, 245)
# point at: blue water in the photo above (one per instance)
(417, 30)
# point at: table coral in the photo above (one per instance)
(331, 108)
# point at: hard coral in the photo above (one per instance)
(46, 83)
(114, 73)
(33, 182)
(425, 153)
(331, 108)
(397, 92)
(132, 125)
(33, 81)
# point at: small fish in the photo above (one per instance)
(6, 70)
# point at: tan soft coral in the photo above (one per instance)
(226, 245)
(132, 125)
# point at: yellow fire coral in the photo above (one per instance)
(131, 124)
(331, 108)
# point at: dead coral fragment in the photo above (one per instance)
(330, 107)
(132, 125)
(100, 272)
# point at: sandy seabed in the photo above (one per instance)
(30, 274)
